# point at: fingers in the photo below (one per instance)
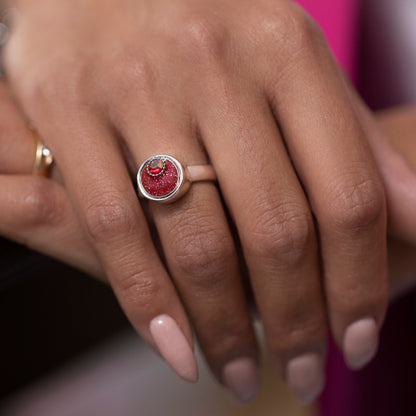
(327, 148)
(36, 212)
(202, 259)
(47, 201)
(396, 168)
(17, 141)
(108, 209)
(200, 253)
(392, 142)
(334, 163)
(258, 181)
(276, 230)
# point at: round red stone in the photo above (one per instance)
(156, 166)
(162, 185)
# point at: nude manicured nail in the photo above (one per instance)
(305, 376)
(360, 343)
(241, 376)
(174, 347)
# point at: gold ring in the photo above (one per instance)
(43, 157)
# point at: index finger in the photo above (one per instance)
(104, 198)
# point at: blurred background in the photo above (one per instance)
(66, 348)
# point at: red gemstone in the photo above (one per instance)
(162, 185)
(156, 167)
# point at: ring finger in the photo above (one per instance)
(201, 255)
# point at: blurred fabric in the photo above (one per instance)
(388, 52)
(124, 377)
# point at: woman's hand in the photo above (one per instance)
(252, 88)
(36, 211)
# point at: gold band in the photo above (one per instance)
(43, 157)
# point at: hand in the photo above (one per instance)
(254, 90)
(36, 211)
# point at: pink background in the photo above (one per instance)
(339, 21)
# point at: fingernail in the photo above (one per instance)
(241, 376)
(305, 376)
(174, 347)
(360, 343)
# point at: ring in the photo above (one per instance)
(163, 178)
(43, 157)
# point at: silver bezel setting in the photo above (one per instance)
(171, 195)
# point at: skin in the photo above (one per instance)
(250, 87)
(36, 211)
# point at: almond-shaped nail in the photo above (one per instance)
(174, 347)
(241, 376)
(305, 376)
(360, 343)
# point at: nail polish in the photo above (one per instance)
(241, 376)
(360, 343)
(305, 376)
(174, 347)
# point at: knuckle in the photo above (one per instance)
(356, 301)
(220, 336)
(356, 204)
(301, 334)
(138, 287)
(108, 217)
(289, 27)
(137, 73)
(204, 37)
(202, 254)
(284, 232)
(40, 205)
(58, 84)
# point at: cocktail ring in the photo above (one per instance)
(163, 178)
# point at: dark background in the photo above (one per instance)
(49, 313)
